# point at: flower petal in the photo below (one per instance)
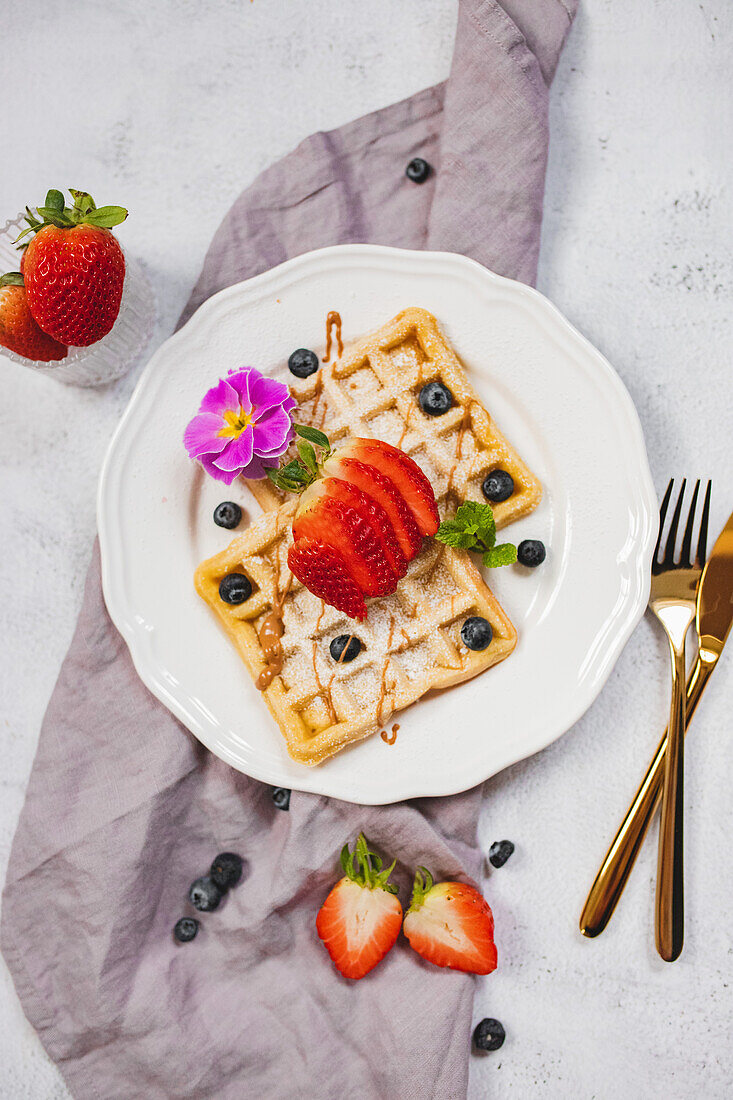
(220, 398)
(202, 435)
(239, 452)
(258, 468)
(240, 381)
(266, 393)
(208, 464)
(273, 432)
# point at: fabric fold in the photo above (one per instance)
(124, 808)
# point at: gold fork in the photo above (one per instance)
(672, 599)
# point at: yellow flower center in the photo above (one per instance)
(236, 423)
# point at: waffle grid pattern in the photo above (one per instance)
(372, 390)
(410, 641)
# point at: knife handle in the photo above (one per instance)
(620, 858)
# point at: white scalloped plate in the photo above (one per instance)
(553, 395)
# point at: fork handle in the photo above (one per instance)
(619, 860)
(669, 912)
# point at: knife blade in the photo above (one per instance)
(714, 617)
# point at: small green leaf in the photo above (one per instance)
(55, 200)
(55, 217)
(308, 456)
(106, 217)
(82, 200)
(452, 534)
(12, 278)
(503, 554)
(480, 519)
(313, 435)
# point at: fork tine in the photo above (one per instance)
(702, 542)
(662, 515)
(685, 560)
(672, 536)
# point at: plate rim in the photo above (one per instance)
(645, 503)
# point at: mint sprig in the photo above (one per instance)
(473, 528)
(302, 471)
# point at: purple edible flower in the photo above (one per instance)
(243, 426)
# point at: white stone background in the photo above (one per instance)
(171, 108)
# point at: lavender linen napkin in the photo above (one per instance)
(124, 808)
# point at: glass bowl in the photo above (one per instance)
(123, 345)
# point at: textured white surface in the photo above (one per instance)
(171, 108)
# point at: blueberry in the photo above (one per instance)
(435, 399)
(235, 588)
(185, 929)
(204, 894)
(417, 170)
(476, 633)
(281, 797)
(303, 362)
(499, 852)
(226, 870)
(498, 486)
(488, 1035)
(228, 514)
(346, 642)
(531, 552)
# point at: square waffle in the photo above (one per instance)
(372, 390)
(410, 640)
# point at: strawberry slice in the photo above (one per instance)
(450, 924)
(324, 572)
(374, 514)
(360, 920)
(404, 472)
(330, 521)
(385, 492)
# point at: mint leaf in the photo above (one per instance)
(503, 554)
(313, 436)
(479, 519)
(452, 534)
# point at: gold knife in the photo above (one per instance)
(713, 619)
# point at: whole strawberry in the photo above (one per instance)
(74, 268)
(18, 331)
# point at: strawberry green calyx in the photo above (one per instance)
(371, 874)
(302, 471)
(83, 212)
(12, 278)
(422, 885)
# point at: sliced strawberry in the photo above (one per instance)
(360, 919)
(404, 472)
(450, 924)
(385, 492)
(375, 515)
(324, 572)
(342, 527)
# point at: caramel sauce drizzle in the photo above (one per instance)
(333, 320)
(390, 738)
(271, 632)
(383, 687)
(327, 692)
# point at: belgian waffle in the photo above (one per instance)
(372, 390)
(410, 640)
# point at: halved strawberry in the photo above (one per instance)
(374, 513)
(324, 572)
(360, 920)
(404, 472)
(451, 924)
(339, 525)
(385, 492)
